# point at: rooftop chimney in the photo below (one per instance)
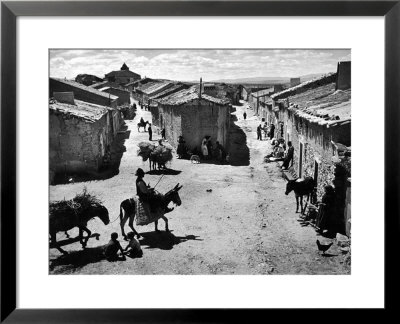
(64, 97)
(200, 88)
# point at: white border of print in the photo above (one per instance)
(363, 288)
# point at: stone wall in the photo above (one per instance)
(77, 146)
(317, 147)
(195, 120)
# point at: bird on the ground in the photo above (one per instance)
(323, 247)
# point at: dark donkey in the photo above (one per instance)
(61, 221)
(301, 187)
(128, 210)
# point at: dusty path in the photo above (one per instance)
(245, 225)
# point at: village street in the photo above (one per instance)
(233, 219)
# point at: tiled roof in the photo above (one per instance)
(323, 105)
(166, 92)
(187, 95)
(156, 87)
(83, 87)
(122, 73)
(305, 86)
(86, 111)
(145, 86)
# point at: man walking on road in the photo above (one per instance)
(150, 133)
(244, 115)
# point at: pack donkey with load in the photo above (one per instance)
(67, 214)
(147, 206)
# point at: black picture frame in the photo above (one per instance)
(11, 10)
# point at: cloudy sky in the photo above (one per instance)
(190, 65)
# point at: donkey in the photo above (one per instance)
(144, 124)
(301, 187)
(128, 210)
(63, 221)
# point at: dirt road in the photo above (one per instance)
(245, 225)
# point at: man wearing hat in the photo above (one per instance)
(147, 194)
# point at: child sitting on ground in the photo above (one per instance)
(134, 245)
(112, 248)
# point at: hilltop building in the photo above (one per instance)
(122, 76)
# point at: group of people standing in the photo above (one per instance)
(209, 151)
(268, 131)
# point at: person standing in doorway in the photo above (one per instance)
(150, 132)
(272, 131)
(259, 132)
(289, 156)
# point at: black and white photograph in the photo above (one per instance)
(200, 161)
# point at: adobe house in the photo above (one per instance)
(122, 76)
(79, 134)
(82, 92)
(194, 115)
(153, 101)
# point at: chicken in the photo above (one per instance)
(323, 247)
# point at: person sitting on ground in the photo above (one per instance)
(289, 156)
(112, 248)
(133, 249)
(148, 194)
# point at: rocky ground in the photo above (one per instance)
(233, 219)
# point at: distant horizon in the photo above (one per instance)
(190, 65)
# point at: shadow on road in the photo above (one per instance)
(239, 153)
(164, 240)
(164, 171)
(78, 259)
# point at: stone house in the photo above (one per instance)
(122, 76)
(255, 98)
(82, 92)
(316, 118)
(79, 134)
(194, 116)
